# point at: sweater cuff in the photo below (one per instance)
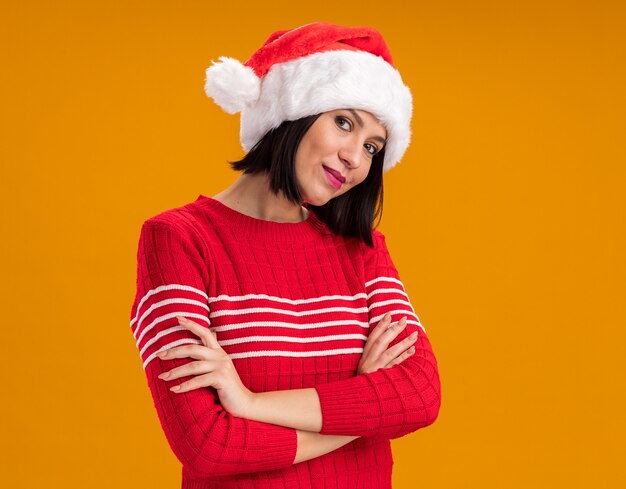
(279, 447)
(349, 408)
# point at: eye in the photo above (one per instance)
(343, 122)
(371, 149)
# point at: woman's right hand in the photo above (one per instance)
(376, 353)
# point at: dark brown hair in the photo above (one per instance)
(350, 214)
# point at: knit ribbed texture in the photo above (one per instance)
(292, 304)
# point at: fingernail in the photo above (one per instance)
(414, 335)
(387, 316)
(181, 319)
(175, 388)
(411, 350)
(164, 375)
(162, 354)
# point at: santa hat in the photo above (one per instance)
(313, 69)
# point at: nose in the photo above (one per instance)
(350, 154)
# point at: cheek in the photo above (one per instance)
(299, 164)
(360, 178)
(304, 155)
(363, 174)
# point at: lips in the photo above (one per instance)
(335, 178)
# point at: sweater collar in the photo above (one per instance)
(250, 226)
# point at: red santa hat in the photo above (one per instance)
(313, 69)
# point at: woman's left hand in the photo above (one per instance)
(213, 368)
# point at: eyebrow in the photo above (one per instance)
(360, 123)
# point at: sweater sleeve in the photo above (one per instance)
(393, 401)
(172, 279)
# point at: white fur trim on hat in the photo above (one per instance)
(232, 85)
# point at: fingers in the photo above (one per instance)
(192, 368)
(198, 352)
(206, 380)
(380, 343)
(383, 326)
(395, 350)
(400, 358)
(206, 335)
(380, 328)
(378, 354)
(208, 355)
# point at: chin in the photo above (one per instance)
(316, 202)
(318, 199)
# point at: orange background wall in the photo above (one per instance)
(506, 220)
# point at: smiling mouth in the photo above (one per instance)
(335, 178)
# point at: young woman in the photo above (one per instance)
(279, 344)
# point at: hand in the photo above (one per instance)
(214, 368)
(376, 354)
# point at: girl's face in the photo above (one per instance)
(336, 153)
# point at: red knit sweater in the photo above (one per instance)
(292, 304)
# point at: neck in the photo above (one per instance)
(251, 195)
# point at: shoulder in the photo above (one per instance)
(378, 257)
(377, 235)
(378, 242)
(178, 222)
(358, 245)
(364, 254)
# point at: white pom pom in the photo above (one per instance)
(232, 85)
